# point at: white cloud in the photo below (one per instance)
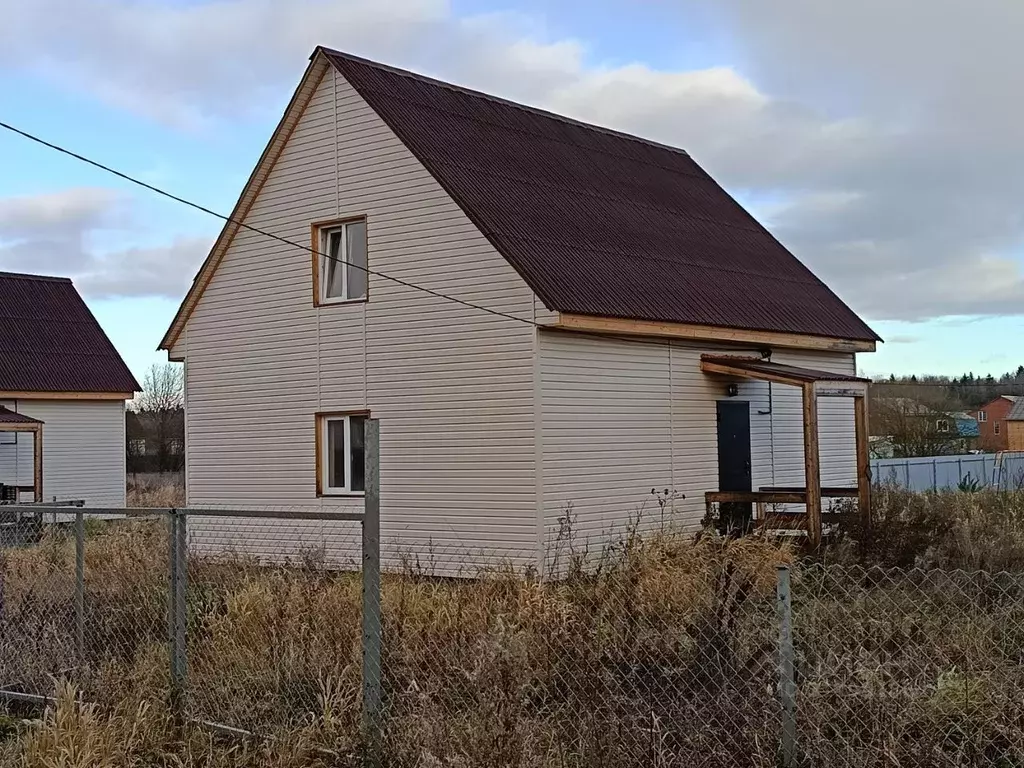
(889, 131)
(55, 234)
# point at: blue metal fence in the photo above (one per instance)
(1004, 471)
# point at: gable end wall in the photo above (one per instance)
(451, 385)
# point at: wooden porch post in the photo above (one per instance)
(812, 466)
(37, 464)
(860, 405)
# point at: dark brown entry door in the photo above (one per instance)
(734, 463)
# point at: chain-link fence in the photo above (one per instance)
(659, 651)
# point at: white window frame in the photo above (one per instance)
(326, 489)
(323, 244)
(942, 425)
(982, 416)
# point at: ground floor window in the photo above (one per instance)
(340, 449)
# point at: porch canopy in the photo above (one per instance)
(813, 384)
(10, 421)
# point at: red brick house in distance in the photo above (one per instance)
(992, 423)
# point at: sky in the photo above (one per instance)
(880, 141)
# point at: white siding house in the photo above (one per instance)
(62, 377)
(496, 412)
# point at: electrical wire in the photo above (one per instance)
(257, 230)
(398, 281)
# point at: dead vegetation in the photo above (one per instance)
(976, 531)
(661, 652)
(156, 490)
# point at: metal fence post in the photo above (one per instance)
(372, 696)
(177, 618)
(787, 672)
(80, 587)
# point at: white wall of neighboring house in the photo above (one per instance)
(622, 417)
(83, 450)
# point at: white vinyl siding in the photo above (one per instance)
(622, 417)
(451, 385)
(83, 450)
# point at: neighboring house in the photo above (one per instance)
(59, 369)
(609, 265)
(1015, 426)
(964, 425)
(991, 419)
(905, 427)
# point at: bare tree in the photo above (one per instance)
(916, 420)
(160, 410)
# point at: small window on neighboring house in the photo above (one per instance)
(341, 455)
(341, 261)
(995, 428)
(942, 425)
(137, 447)
(982, 416)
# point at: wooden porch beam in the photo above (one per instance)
(860, 416)
(812, 465)
(37, 463)
(826, 491)
(708, 366)
(726, 497)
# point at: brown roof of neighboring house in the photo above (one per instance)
(50, 341)
(599, 222)
(7, 416)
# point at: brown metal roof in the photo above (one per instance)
(767, 368)
(599, 222)
(50, 341)
(7, 416)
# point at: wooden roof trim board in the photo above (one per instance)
(620, 326)
(44, 395)
(293, 113)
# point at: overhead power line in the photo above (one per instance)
(257, 230)
(949, 385)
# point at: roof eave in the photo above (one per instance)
(626, 327)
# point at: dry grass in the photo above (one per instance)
(624, 664)
(156, 490)
(981, 531)
(660, 653)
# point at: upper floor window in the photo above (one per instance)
(341, 261)
(942, 425)
(982, 416)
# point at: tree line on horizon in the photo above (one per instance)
(952, 393)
